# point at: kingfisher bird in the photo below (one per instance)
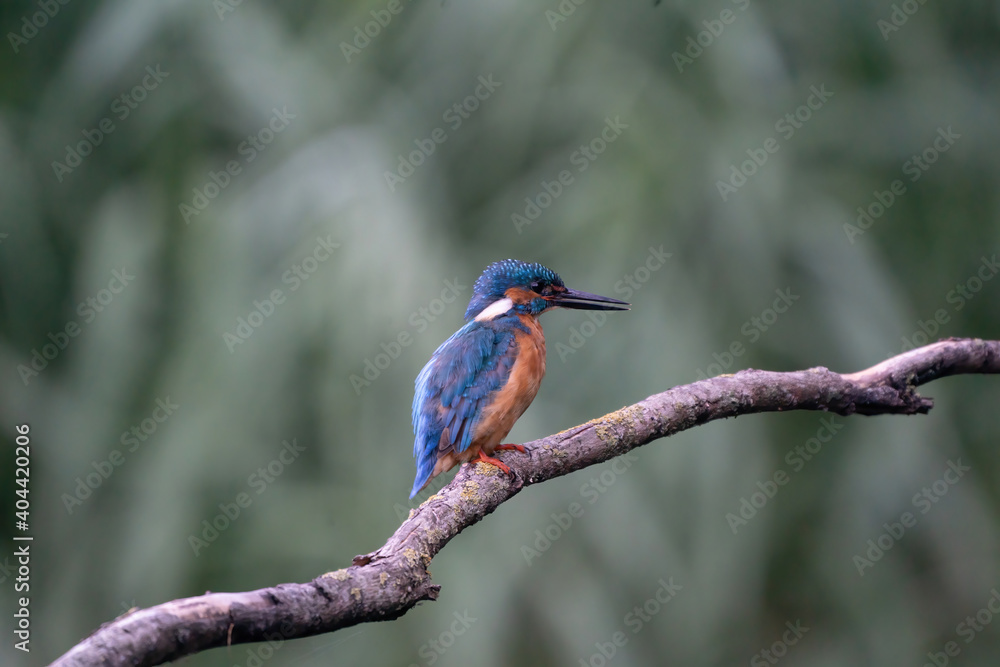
(483, 378)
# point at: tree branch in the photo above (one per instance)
(385, 584)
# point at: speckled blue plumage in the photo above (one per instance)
(465, 401)
(455, 386)
(467, 370)
(498, 277)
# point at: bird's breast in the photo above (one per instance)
(511, 400)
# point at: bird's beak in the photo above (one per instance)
(584, 301)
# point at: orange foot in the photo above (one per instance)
(519, 448)
(492, 461)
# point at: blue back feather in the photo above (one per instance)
(459, 381)
(456, 385)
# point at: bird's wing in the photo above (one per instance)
(455, 385)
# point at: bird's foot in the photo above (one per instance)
(519, 448)
(492, 461)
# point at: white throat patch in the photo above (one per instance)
(495, 309)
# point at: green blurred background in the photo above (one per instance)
(690, 88)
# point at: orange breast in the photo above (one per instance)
(514, 397)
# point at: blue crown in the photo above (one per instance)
(498, 277)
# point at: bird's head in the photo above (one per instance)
(528, 288)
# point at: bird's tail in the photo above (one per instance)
(426, 460)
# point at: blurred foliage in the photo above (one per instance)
(224, 69)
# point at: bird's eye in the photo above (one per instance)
(541, 287)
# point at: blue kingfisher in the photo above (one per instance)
(483, 378)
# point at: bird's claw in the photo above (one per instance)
(493, 462)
